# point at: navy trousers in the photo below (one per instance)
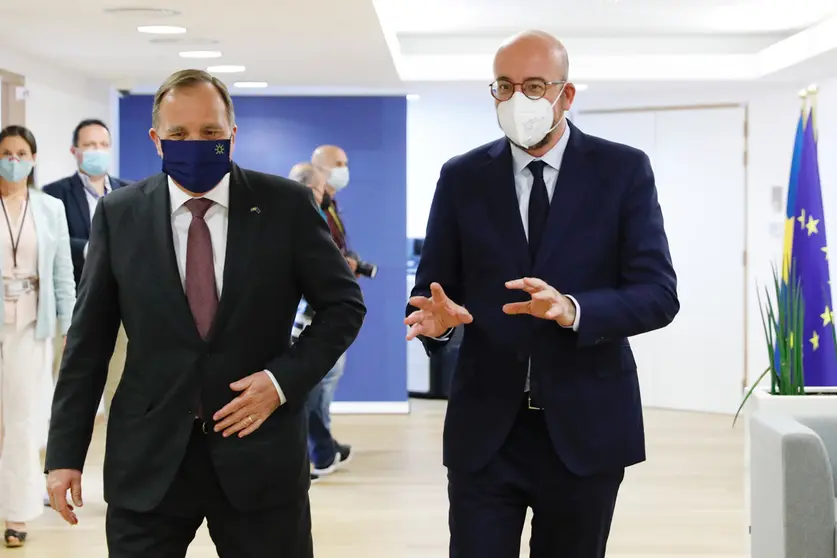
(571, 514)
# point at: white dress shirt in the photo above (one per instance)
(217, 220)
(523, 181)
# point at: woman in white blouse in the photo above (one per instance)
(38, 297)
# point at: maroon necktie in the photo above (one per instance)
(201, 290)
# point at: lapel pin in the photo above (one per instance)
(255, 209)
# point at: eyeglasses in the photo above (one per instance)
(534, 88)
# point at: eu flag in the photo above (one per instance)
(790, 208)
(809, 251)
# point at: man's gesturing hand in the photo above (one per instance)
(435, 315)
(59, 481)
(546, 303)
(247, 412)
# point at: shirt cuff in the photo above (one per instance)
(577, 312)
(85, 250)
(282, 399)
(444, 337)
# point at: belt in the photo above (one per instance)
(201, 425)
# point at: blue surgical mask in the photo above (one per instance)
(95, 163)
(15, 170)
(196, 165)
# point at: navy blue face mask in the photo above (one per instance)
(196, 165)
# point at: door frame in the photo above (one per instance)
(13, 110)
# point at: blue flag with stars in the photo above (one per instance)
(790, 208)
(810, 254)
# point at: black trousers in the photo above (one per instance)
(571, 514)
(195, 495)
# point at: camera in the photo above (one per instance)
(367, 269)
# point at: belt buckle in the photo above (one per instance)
(532, 407)
(204, 426)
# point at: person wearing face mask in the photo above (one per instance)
(326, 453)
(205, 264)
(91, 148)
(36, 272)
(555, 240)
(334, 164)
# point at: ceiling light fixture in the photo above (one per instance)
(232, 69)
(250, 84)
(200, 54)
(161, 29)
(144, 12)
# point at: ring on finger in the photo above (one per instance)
(250, 418)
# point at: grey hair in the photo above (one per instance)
(304, 174)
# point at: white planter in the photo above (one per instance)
(818, 401)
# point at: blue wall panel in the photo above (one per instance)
(274, 133)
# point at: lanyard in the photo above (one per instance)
(15, 243)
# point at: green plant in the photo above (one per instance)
(783, 321)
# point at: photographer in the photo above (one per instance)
(325, 453)
(334, 164)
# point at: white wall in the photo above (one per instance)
(57, 100)
(449, 119)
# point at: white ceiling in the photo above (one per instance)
(374, 45)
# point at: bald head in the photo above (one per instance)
(531, 77)
(326, 158)
(329, 156)
(532, 54)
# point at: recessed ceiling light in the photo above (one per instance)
(200, 54)
(413, 97)
(145, 12)
(225, 69)
(161, 29)
(250, 84)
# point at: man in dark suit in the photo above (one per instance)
(549, 246)
(81, 191)
(205, 265)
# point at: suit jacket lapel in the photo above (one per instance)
(504, 205)
(79, 195)
(243, 226)
(167, 275)
(571, 187)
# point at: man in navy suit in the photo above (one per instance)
(549, 246)
(81, 191)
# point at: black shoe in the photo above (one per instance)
(327, 468)
(315, 478)
(344, 452)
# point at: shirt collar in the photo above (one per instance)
(220, 194)
(553, 157)
(85, 180)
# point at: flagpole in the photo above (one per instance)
(811, 93)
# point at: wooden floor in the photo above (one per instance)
(686, 501)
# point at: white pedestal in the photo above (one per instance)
(823, 403)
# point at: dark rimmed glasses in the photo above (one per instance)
(533, 88)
